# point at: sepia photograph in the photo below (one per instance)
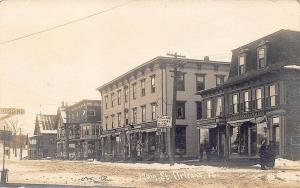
(150, 93)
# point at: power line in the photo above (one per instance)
(65, 24)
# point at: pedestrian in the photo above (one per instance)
(201, 151)
(263, 153)
(272, 154)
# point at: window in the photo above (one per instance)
(119, 97)
(246, 101)
(126, 117)
(153, 111)
(200, 82)
(199, 67)
(258, 97)
(208, 108)
(112, 95)
(106, 122)
(134, 91)
(220, 79)
(143, 90)
(180, 140)
(261, 58)
(112, 121)
(51, 140)
(199, 110)
(152, 84)
(273, 95)
(216, 67)
(143, 113)
(235, 103)
(134, 115)
(91, 113)
(119, 119)
(219, 109)
(242, 59)
(106, 101)
(126, 93)
(180, 106)
(180, 81)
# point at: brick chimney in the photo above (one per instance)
(206, 58)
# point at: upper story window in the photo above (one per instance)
(180, 82)
(134, 90)
(242, 61)
(208, 108)
(219, 108)
(220, 79)
(119, 119)
(134, 115)
(112, 121)
(235, 103)
(91, 113)
(199, 67)
(106, 101)
(216, 67)
(106, 122)
(143, 89)
(152, 84)
(153, 111)
(199, 110)
(126, 118)
(143, 113)
(261, 57)
(180, 105)
(126, 93)
(246, 101)
(112, 96)
(200, 82)
(273, 95)
(258, 98)
(119, 97)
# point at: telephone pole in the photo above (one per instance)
(171, 144)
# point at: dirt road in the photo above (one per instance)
(286, 174)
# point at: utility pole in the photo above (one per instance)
(177, 65)
(21, 145)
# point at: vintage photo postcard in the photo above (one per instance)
(150, 93)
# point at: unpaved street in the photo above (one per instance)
(286, 174)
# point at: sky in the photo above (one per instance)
(68, 63)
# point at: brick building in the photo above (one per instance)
(260, 100)
(133, 101)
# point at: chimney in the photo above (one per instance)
(206, 58)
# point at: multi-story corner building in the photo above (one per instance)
(80, 130)
(260, 100)
(43, 143)
(133, 102)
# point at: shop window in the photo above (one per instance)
(180, 140)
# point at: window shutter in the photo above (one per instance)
(267, 97)
(230, 104)
(242, 100)
(204, 109)
(250, 99)
(277, 94)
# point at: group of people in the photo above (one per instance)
(267, 155)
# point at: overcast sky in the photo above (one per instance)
(70, 62)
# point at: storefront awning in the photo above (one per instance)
(211, 126)
(149, 130)
(256, 120)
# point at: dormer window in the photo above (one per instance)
(261, 56)
(242, 61)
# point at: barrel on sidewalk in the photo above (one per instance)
(4, 176)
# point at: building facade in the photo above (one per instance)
(78, 135)
(43, 143)
(133, 102)
(260, 101)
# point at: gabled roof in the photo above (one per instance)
(45, 124)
